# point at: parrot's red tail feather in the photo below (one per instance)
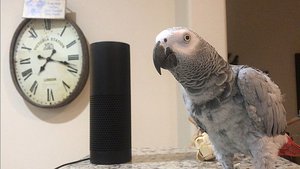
(290, 149)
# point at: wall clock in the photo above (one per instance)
(49, 61)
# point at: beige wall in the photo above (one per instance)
(266, 35)
(38, 138)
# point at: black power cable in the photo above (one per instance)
(74, 162)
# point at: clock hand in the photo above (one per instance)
(42, 68)
(48, 59)
(65, 63)
(41, 57)
(53, 52)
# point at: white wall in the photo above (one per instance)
(38, 138)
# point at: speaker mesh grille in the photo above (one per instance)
(110, 119)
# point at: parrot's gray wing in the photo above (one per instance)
(263, 100)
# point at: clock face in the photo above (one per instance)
(49, 61)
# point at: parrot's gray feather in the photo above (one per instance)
(193, 111)
(239, 107)
(263, 100)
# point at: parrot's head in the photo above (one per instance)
(190, 59)
(173, 45)
(181, 51)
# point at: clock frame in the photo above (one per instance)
(82, 73)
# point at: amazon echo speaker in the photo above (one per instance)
(110, 105)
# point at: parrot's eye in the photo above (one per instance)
(186, 37)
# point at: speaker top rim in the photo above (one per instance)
(109, 43)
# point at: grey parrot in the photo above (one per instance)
(239, 107)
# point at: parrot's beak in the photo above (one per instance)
(163, 58)
(158, 56)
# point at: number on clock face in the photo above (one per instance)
(48, 60)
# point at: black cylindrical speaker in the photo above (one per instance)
(110, 105)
